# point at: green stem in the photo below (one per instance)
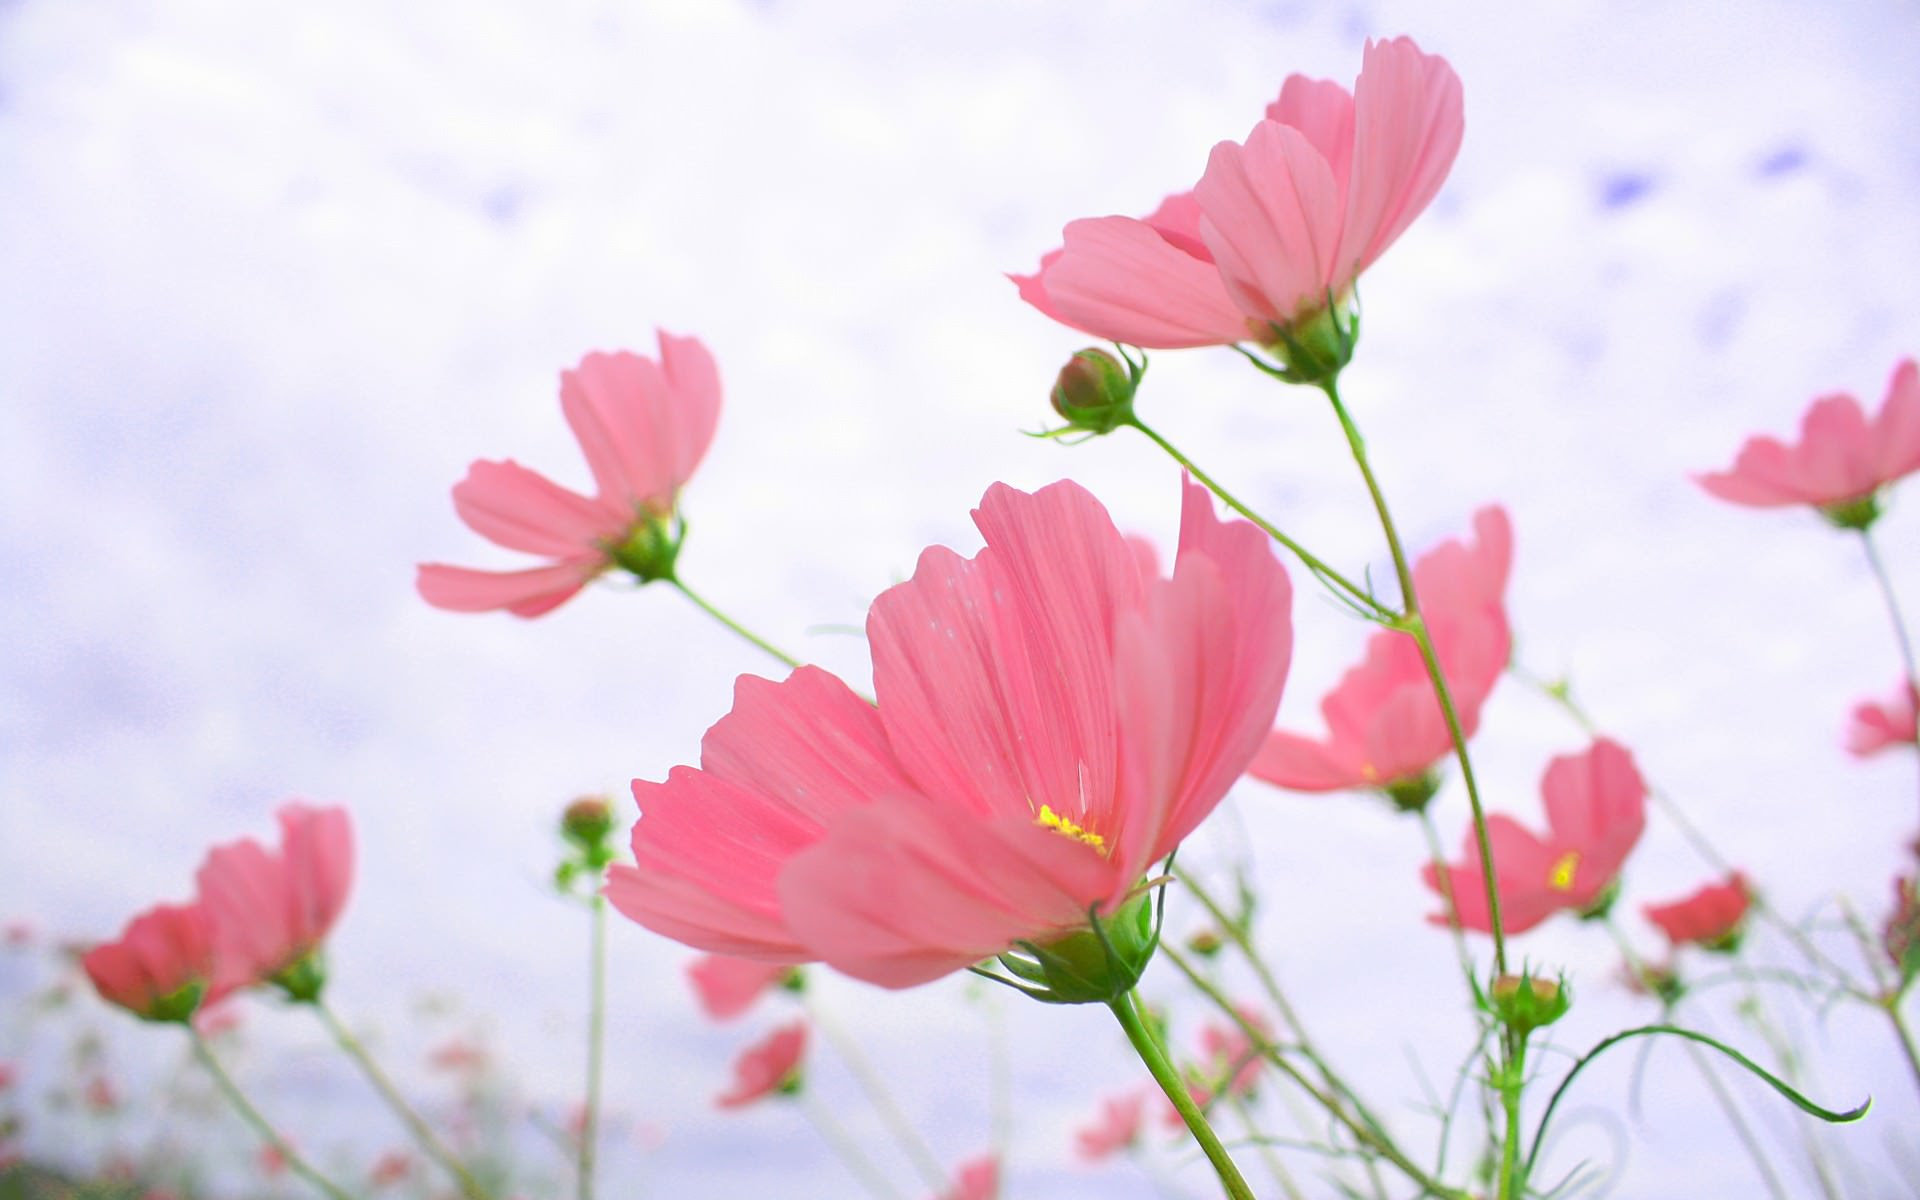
(1900, 634)
(422, 1133)
(1354, 594)
(925, 1162)
(299, 1166)
(1907, 1044)
(1418, 628)
(706, 607)
(1126, 1010)
(596, 1043)
(1513, 1177)
(842, 1144)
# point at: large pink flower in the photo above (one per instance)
(1385, 729)
(1051, 720)
(1277, 224)
(162, 966)
(1596, 809)
(1877, 725)
(271, 909)
(643, 426)
(1842, 458)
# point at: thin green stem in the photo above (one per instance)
(421, 1131)
(1900, 634)
(925, 1162)
(1126, 1010)
(1418, 628)
(705, 606)
(1905, 1034)
(1275, 1165)
(596, 1042)
(843, 1145)
(1366, 1133)
(1355, 594)
(268, 1134)
(1513, 1176)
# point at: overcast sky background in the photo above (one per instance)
(272, 275)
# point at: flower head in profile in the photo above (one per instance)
(1841, 462)
(1270, 241)
(272, 909)
(1051, 720)
(162, 966)
(1117, 1127)
(1714, 917)
(1385, 729)
(643, 426)
(728, 986)
(1879, 725)
(769, 1067)
(1596, 808)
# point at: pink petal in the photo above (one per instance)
(693, 382)
(242, 885)
(526, 593)
(728, 986)
(642, 425)
(1878, 725)
(317, 847)
(1323, 111)
(1763, 476)
(1273, 216)
(1896, 431)
(1596, 806)
(1408, 124)
(1521, 864)
(1707, 915)
(765, 1066)
(506, 503)
(1121, 279)
(1835, 459)
(1301, 764)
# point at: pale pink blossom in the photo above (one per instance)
(1711, 916)
(1878, 725)
(1050, 722)
(162, 966)
(1278, 225)
(1596, 806)
(272, 909)
(1117, 1127)
(728, 986)
(1842, 456)
(643, 427)
(768, 1066)
(1229, 1057)
(976, 1179)
(1384, 725)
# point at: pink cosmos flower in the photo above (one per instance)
(1117, 1127)
(1385, 729)
(728, 986)
(1877, 725)
(643, 426)
(272, 909)
(1842, 459)
(1277, 224)
(768, 1066)
(1228, 1056)
(1050, 722)
(1710, 917)
(162, 968)
(977, 1179)
(1596, 808)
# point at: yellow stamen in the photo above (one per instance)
(1560, 879)
(1061, 825)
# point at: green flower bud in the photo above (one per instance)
(1094, 391)
(1524, 1003)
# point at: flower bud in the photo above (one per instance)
(1094, 391)
(587, 822)
(1206, 943)
(1413, 793)
(1524, 1003)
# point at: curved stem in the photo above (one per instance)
(925, 1162)
(1126, 1011)
(1900, 634)
(596, 1043)
(268, 1134)
(421, 1131)
(702, 603)
(1418, 629)
(1354, 593)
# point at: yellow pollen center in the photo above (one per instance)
(1560, 879)
(1061, 825)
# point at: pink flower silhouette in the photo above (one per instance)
(768, 1066)
(1385, 729)
(1050, 722)
(1116, 1128)
(1710, 917)
(977, 1179)
(1596, 808)
(1278, 224)
(271, 910)
(162, 968)
(643, 426)
(1877, 725)
(728, 986)
(1842, 459)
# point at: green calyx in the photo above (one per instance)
(303, 979)
(651, 548)
(1315, 346)
(1525, 1002)
(178, 1005)
(1857, 513)
(1095, 965)
(1413, 793)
